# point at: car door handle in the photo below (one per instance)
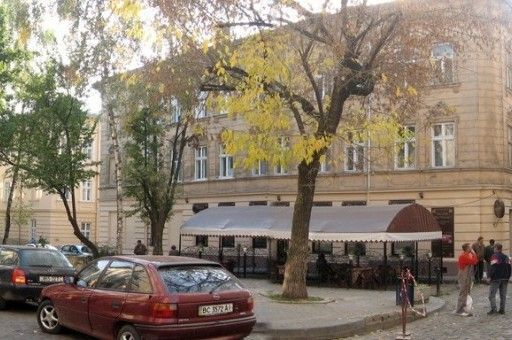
(83, 299)
(116, 304)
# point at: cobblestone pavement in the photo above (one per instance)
(445, 325)
(19, 323)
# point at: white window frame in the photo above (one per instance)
(225, 164)
(441, 71)
(408, 147)
(261, 168)
(200, 110)
(88, 150)
(86, 191)
(282, 169)
(175, 109)
(355, 153)
(325, 162)
(85, 229)
(201, 163)
(443, 139)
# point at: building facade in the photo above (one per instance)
(457, 164)
(36, 215)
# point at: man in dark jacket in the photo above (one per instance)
(488, 252)
(499, 275)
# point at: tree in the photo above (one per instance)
(54, 159)
(308, 75)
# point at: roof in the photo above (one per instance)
(355, 223)
(163, 260)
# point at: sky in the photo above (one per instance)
(93, 99)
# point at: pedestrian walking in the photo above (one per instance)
(140, 248)
(499, 275)
(467, 260)
(479, 249)
(488, 252)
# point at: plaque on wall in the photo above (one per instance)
(445, 246)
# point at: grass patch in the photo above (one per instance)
(281, 298)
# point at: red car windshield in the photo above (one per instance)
(198, 279)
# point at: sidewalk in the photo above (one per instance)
(346, 312)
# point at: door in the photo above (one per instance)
(74, 304)
(108, 299)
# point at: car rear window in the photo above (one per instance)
(198, 279)
(43, 258)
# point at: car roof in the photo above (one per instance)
(164, 260)
(17, 247)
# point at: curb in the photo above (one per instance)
(343, 329)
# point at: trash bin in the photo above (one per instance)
(410, 293)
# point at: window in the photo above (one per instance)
(197, 207)
(33, 230)
(405, 149)
(198, 279)
(443, 145)
(444, 67)
(88, 150)
(226, 164)
(85, 229)
(261, 168)
(443, 60)
(510, 146)
(228, 241)
(355, 248)
(392, 202)
(90, 274)
(87, 191)
(322, 247)
(117, 276)
(175, 110)
(354, 155)
(259, 243)
(201, 241)
(352, 203)
(200, 111)
(67, 194)
(281, 168)
(255, 203)
(325, 162)
(226, 204)
(177, 167)
(201, 163)
(8, 257)
(280, 204)
(322, 204)
(140, 281)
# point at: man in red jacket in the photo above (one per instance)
(466, 262)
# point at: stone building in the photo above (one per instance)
(45, 215)
(458, 164)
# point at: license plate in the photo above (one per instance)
(51, 279)
(215, 309)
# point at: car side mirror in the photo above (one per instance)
(69, 280)
(81, 284)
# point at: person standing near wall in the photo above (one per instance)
(479, 249)
(140, 248)
(488, 253)
(467, 260)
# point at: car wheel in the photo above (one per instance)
(47, 318)
(128, 332)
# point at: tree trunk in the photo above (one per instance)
(9, 206)
(294, 284)
(157, 230)
(76, 228)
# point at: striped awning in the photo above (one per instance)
(391, 223)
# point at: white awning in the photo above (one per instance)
(393, 223)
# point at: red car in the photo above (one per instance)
(149, 297)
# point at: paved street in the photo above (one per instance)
(20, 323)
(445, 325)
